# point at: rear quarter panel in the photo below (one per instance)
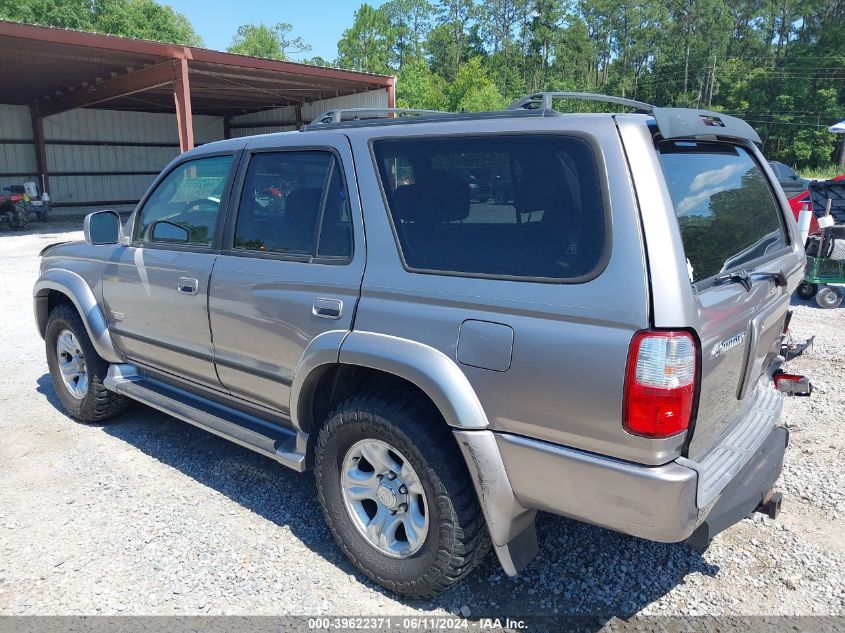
(720, 312)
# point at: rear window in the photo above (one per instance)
(526, 206)
(726, 210)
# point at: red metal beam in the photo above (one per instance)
(40, 148)
(391, 93)
(182, 97)
(120, 86)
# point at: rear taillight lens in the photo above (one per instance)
(659, 383)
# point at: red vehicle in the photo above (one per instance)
(13, 208)
(804, 197)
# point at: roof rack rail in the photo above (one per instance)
(544, 100)
(337, 116)
(673, 123)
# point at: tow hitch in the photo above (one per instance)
(770, 505)
(792, 384)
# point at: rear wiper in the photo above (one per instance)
(738, 276)
(745, 277)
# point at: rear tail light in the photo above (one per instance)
(659, 383)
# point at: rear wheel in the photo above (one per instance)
(396, 493)
(77, 370)
(829, 297)
(18, 217)
(807, 290)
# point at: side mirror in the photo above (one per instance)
(103, 227)
(164, 231)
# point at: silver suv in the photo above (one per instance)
(457, 321)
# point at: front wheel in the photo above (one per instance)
(807, 290)
(829, 297)
(77, 370)
(396, 493)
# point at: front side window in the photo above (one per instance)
(295, 203)
(528, 206)
(726, 210)
(183, 208)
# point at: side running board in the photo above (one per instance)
(283, 445)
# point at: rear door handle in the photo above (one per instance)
(187, 285)
(327, 308)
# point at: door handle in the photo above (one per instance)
(187, 285)
(327, 308)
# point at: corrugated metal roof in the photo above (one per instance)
(51, 64)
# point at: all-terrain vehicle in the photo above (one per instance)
(601, 342)
(16, 205)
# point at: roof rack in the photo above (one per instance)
(544, 101)
(673, 123)
(357, 114)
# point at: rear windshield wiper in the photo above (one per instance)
(745, 277)
(738, 276)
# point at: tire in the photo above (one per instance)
(455, 537)
(829, 297)
(18, 217)
(807, 290)
(92, 402)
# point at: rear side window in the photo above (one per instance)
(295, 203)
(527, 206)
(726, 210)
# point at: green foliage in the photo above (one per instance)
(418, 87)
(779, 65)
(143, 19)
(473, 90)
(368, 43)
(271, 42)
(410, 21)
(71, 14)
(140, 19)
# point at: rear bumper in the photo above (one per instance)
(656, 503)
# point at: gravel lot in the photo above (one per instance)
(148, 515)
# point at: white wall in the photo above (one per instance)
(134, 164)
(260, 122)
(14, 157)
(133, 147)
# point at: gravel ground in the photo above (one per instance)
(148, 515)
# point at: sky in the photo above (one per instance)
(319, 22)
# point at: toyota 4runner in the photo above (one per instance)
(597, 340)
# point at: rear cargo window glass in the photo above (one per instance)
(726, 210)
(505, 206)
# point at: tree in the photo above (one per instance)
(272, 42)
(366, 45)
(71, 14)
(418, 87)
(411, 21)
(456, 16)
(140, 19)
(317, 61)
(143, 19)
(473, 90)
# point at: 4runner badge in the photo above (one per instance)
(727, 345)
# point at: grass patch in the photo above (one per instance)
(821, 173)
